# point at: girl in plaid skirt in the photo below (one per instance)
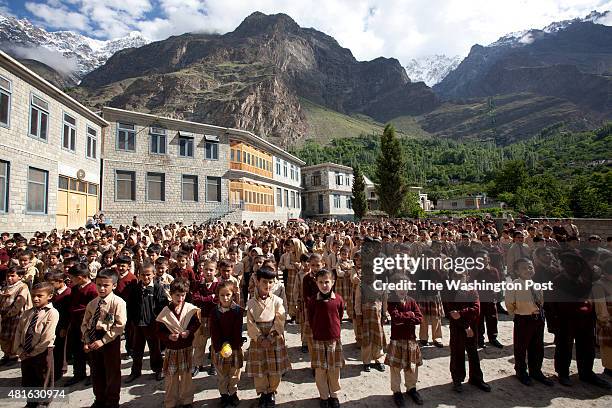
(297, 298)
(403, 352)
(343, 279)
(226, 335)
(325, 312)
(356, 282)
(267, 358)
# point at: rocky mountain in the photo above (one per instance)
(59, 80)
(431, 69)
(255, 78)
(71, 54)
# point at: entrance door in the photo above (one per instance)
(320, 203)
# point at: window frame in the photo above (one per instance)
(71, 128)
(158, 135)
(46, 195)
(41, 111)
(195, 188)
(163, 186)
(128, 131)
(133, 174)
(211, 141)
(186, 138)
(219, 189)
(7, 180)
(9, 94)
(94, 143)
(279, 197)
(337, 201)
(278, 166)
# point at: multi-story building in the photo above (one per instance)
(470, 202)
(264, 180)
(328, 191)
(164, 170)
(49, 154)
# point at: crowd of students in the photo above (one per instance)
(72, 296)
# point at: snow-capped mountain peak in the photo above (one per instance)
(431, 69)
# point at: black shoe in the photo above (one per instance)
(500, 309)
(437, 344)
(496, 343)
(159, 376)
(212, 370)
(379, 366)
(422, 343)
(524, 379)
(416, 397)
(480, 384)
(594, 379)
(74, 380)
(132, 378)
(313, 372)
(263, 398)
(565, 381)
(223, 402)
(541, 378)
(334, 403)
(304, 349)
(398, 398)
(323, 403)
(366, 368)
(195, 371)
(234, 400)
(88, 381)
(271, 401)
(481, 344)
(457, 387)
(607, 372)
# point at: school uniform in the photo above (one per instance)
(236, 297)
(105, 320)
(289, 274)
(164, 281)
(403, 352)
(14, 301)
(186, 273)
(266, 365)
(344, 285)
(34, 344)
(324, 316)
(602, 298)
(61, 302)
(528, 336)
(79, 299)
(309, 290)
(226, 327)
(373, 339)
(468, 306)
(430, 305)
(143, 306)
(202, 296)
(488, 308)
(300, 309)
(179, 354)
(125, 285)
(357, 315)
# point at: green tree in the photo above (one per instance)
(360, 204)
(390, 166)
(411, 206)
(512, 176)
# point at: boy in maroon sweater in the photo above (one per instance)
(325, 312)
(463, 314)
(61, 301)
(488, 308)
(83, 292)
(125, 284)
(403, 352)
(182, 268)
(203, 295)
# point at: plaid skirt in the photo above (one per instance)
(291, 277)
(178, 360)
(431, 308)
(235, 361)
(262, 361)
(371, 328)
(343, 288)
(605, 333)
(8, 327)
(203, 330)
(403, 354)
(327, 354)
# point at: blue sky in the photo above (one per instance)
(369, 28)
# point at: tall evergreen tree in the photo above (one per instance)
(390, 167)
(360, 204)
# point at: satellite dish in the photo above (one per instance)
(80, 174)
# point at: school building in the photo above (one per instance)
(49, 154)
(328, 191)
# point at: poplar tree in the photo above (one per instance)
(360, 204)
(390, 167)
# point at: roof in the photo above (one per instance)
(230, 131)
(328, 164)
(15, 67)
(367, 181)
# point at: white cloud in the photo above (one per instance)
(58, 16)
(54, 59)
(403, 29)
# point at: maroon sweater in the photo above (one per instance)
(309, 287)
(324, 317)
(468, 306)
(226, 327)
(163, 334)
(125, 286)
(489, 275)
(79, 299)
(186, 273)
(404, 316)
(202, 296)
(62, 303)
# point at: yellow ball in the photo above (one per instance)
(226, 350)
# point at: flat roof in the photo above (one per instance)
(17, 68)
(328, 164)
(230, 131)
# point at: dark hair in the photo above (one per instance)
(161, 261)
(520, 261)
(324, 272)
(123, 260)
(154, 248)
(55, 276)
(79, 269)
(224, 263)
(45, 286)
(265, 272)
(146, 264)
(303, 258)
(108, 273)
(92, 252)
(315, 257)
(226, 284)
(17, 270)
(179, 285)
(182, 254)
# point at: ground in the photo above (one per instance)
(369, 389)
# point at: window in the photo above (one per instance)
(248, 158)
(232, 155)
(37, 190)
(286, 198)
(92, 143)
(284, 168)
(339, 179)
(238, 152)
(278, 167)
(190, 188)
(159, 138)
(298, 199)
(4, 185)
(213, 189)
(69, 133)
(454, 204)
(185, 146)
(316, 179)
(279, 197)
(125, 185)
(292, 172)
(244, 157)
(372, 194)
(62, 183)
(349, 203)
(39, 118)
(92, 189)
(348, 180)
(126, 137)
(5, 101)
(156, 187)
(293, 199)
(336, 200)
(212, 147)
